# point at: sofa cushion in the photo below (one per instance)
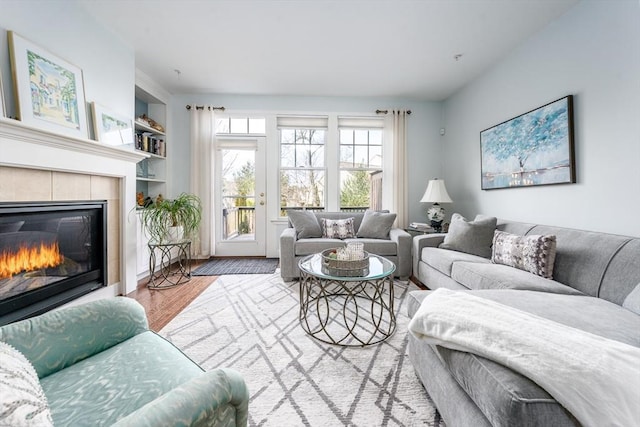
(443, 259)
(472, 237)
(22, 401)
(313, 246)
(306, 224)
(337, 228)
(584, 258)
(377, 246)
(632, 301)
(376, 225)
(101, 389)
(533, 253)
(502, 394)
(475, 275)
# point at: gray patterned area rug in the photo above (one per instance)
(222, 266)
(250, 323)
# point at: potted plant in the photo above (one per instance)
(171, 220)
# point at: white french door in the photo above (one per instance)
(240, 199)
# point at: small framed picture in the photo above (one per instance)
(49, 90)
(111, 128)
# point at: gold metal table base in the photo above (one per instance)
(168, 273)
(347, 313)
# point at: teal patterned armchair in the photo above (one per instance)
(100, 365)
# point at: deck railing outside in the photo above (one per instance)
(240, 220)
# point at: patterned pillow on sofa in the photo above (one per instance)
(535, 253)
(337, 228)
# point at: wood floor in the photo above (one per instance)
(162, 305)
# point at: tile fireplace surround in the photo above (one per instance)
(37, 165)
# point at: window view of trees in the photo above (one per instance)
(302, 168)
(238, 189)
(360, 159)
(355, 189)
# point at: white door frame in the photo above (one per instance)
(242, 247)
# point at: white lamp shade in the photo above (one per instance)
(436, 192)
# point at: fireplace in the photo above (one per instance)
(50, 254)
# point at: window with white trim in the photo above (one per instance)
(334, 162)
(360, 163)
(302, 162)
(229, 125)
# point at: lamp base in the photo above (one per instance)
(435, 214)
(436, 225)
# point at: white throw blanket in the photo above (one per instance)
(596, 379)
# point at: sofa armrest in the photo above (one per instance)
(202, 401)
(403, 242)
(288, 266)
(60, 338)
(424, 241)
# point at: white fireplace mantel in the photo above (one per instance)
(27, 147)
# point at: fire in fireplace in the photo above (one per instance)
(50, 253)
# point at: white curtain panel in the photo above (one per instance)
(202, 142)
(400, 176)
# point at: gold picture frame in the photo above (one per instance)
(49, 91)
(111, 128)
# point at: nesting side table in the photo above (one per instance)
(161, 273)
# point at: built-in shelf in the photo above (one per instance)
(151, 179)
(146, 128)
(140, 178)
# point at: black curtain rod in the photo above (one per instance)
(387, 111)
(202, 107)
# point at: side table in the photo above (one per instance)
(161, 273)
(419, 232)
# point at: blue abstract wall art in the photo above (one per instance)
(535, 148)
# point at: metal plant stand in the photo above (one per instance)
(347, 311)
(169, 264)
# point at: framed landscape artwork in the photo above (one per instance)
(49, 90)
(111, 128)
(535, 148)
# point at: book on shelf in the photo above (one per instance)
(147, 141)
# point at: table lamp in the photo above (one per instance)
(436, 193)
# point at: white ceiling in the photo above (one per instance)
(394, 48)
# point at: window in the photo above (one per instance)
(240, 125)
(360, 163)
(330, 167)
(302, 162)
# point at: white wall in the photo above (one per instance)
(65, 30)
(592, 52)
(423, 131)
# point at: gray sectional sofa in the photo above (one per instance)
(296, 243)
(595, 288)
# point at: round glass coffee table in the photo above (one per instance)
(348, 311)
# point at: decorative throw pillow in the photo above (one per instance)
(535, 253)
(472, 237)
(632, 301)
(22, 401)
(305, 223)
(337, 228)
(376, 225)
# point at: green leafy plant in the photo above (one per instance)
(184, 211)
